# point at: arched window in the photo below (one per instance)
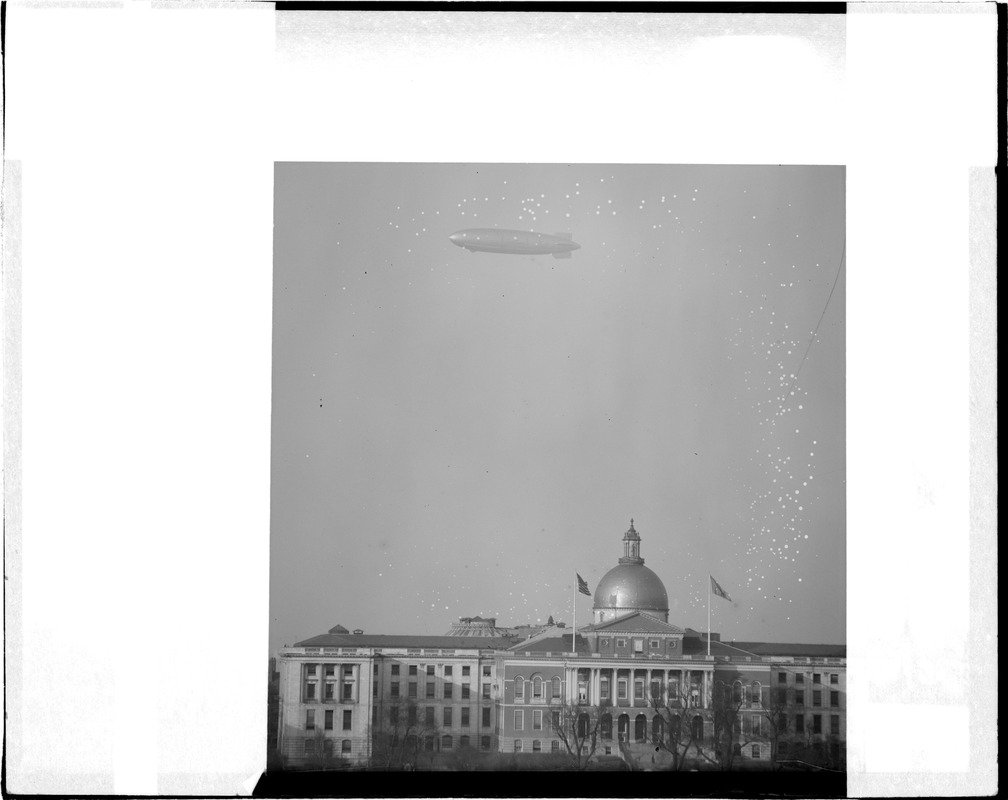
(446, 742)
(605, 724)
(345, 746)
(737, 692)
(537, 688)
(675, 729)
(640, 728)
(517, 745)
(756, 697)
(536, 746)
(738, 749)
(519, 686)
(658, 729)
(698, 728)
(623, 726)
(582, 725)
(556, 687)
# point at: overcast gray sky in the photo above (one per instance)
(457, 433)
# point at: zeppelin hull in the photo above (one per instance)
(511, 242)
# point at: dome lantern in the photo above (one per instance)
(630, 586)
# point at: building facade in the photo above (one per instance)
(628, 685)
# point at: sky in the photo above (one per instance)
(456, 434)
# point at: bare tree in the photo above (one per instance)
(774, 709)
(577, 726)
(680, 734)
(321, 752)
(730, 735)
(400, 739)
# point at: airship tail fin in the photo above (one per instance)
(566, 236)
(564, 254)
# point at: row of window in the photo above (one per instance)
(309, 746)
(449, 670)
(638, 644)
(833, 677)
(328, 719)
(430, 712)
(799, 724)
(448, 690)
(754, 695)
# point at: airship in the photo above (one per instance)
(527, 243)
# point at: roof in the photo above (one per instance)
(550, 641)
(635, 622)
(698, 645)
(382, 640)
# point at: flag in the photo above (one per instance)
(716, 588)
(583, 586)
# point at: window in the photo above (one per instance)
(393, 715)
(428, 744)
(537, 720)
(430, 669)
(484, 742)
(799, 698)
(347, 720)
(374, 688)
(486, 690)
(656, 690)
(834, 724)
(310, 719)
(816, 698)
(374, 670)
(537, 692)
(517, 745)
(555, 720)
(310, 690)
(655, 644)
(411, 714)
(345, 746)
(465, 691)
(447, 716)
(412, 690)
(463, 741)
(638, 689)
(309, 747)
(605, 726)
(621, 687)
(673, 690)
(374, 715)
(486, 717)
(755, 751)
(429, 716)
(465, 672)
(621, 642)
(781, 677)
(310, 669)
(817, 723)
(330, 690)
(604, 687)
(582, 689)
(756, 724)
(755, 697)
(519, 720)
(348, 669)
(328, 720)
(799, 678)
(330, 670)
(737, 749)
(394, 688)
(486, 671)
(736, 695)
(412, 669)
(834, 698)
(446, 742)
(465, 717)
(536, 746)
(638, 645)
(448, 671)
(448, 691)
(799, 723)
(519, 687)
(815, 677)
(556, 687)
(430, 689)
(395, 669)
(834, 679)
(348, 691)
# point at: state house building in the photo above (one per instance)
(630, 673)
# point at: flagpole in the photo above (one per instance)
(708, 615)
(574, 632)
